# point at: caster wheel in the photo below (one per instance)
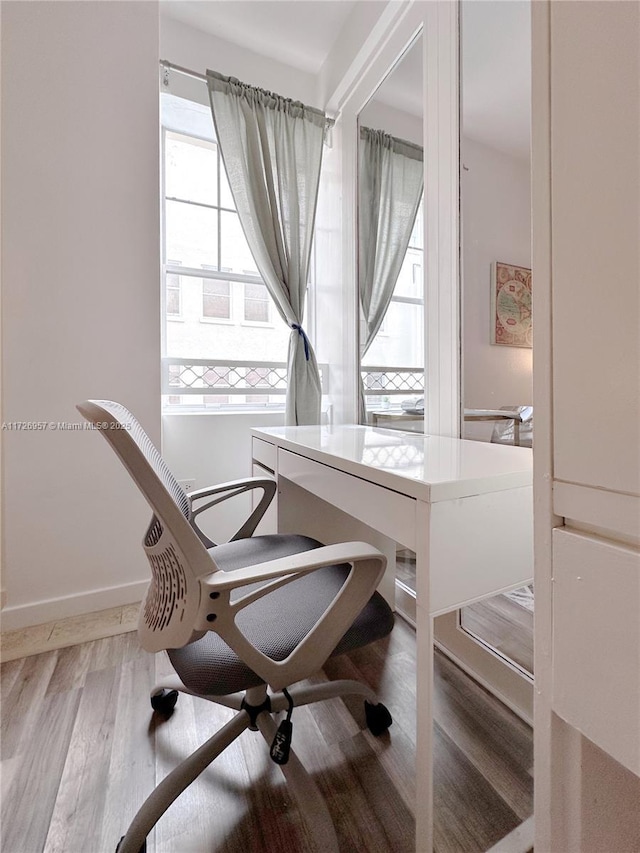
(378, 718)
(143, 849)
(164, 702)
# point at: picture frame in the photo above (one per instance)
(511, 320)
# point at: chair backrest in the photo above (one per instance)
(176, 555)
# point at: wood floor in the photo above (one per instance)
(81, 750)
(503, 625)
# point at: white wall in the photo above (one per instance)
(351, 52)
(198, 51)
(211, 449)
(3, 593)
(496, 226)
(80, 269)
(398, 123)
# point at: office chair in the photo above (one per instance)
(243, 621)
(518, 430)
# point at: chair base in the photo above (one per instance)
(301, 785)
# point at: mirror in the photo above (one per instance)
(390, 248)
(496, 355)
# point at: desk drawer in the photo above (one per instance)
(264, 453)
(388, 512)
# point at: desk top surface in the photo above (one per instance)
(428, 467)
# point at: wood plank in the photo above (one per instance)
(21, 707)
(29, 804)
(496, 742)
(79, 807)
(381, 798)
(460, 789)
(131, 770)
(71, 668)
(9, 672)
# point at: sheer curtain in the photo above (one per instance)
(391, 182)
(272, 151)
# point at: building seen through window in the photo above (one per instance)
(216, 307)
(399, 342)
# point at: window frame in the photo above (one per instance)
(169, 403)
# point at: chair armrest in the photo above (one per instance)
(227, 491)
(218, 612)
(295, 564)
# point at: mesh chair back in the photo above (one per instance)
(176, 555)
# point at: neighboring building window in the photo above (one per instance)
(256, 303)
(211, 282)
(216, 298)
(173, 302)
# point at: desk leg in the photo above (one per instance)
(424, 687)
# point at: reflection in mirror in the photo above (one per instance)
(390, 247)
(496, 351)
(390, 270)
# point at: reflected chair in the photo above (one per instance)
(518, 430)
(244, 621)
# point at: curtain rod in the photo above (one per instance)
(169, 66)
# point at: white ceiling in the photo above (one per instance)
(495, 45)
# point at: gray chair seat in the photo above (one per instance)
(276, 623)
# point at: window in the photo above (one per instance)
(228, 324)
(173, 303)
(399, 343)
(216, 298)
(256, 303)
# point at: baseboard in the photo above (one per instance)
(49, 610)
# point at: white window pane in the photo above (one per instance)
(402, 343)
(191, 170)
(236, 256)
(172, 294)
(186, 117)
(411, 281)
(417, 235)
(216, 298)
(256, 303)
(226, 199)
(192, 234)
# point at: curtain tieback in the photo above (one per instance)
(298, 328)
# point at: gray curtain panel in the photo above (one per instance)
(390, 186)
(272, 151)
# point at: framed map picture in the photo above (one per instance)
(511, 305)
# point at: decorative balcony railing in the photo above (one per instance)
(385, 381)
(203, 376)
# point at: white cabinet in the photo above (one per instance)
(596, 628)
(586, 222)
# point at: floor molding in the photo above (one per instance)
(61, 633)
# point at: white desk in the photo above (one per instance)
(464, 507)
